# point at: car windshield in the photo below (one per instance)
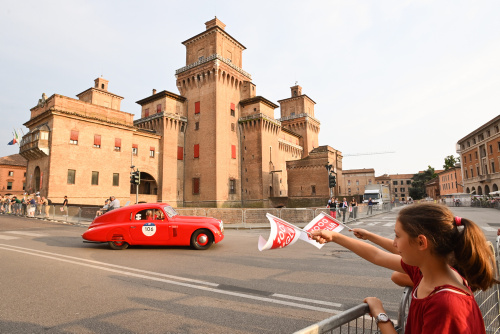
(170, 211)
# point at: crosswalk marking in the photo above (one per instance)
(7, 237)
(389, 224)
(490, 229)
(373, 224)
(29, 234)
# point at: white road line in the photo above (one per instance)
(30, 234)
(389, 224)
(490, 229)
(372, 224)
(355, 224)
(7, 237)
(307, 300)
(81, 262)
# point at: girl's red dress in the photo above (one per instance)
(446, 310)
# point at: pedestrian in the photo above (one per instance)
(426, 236)
(45, 205)
(114, 204)
(32, 207)
(65, 206)
(333, 207)
(343, 207)
(354, 208)
(370, 207)
(498, 232)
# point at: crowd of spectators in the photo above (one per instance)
(25, 205)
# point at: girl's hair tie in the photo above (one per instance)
(458, 221)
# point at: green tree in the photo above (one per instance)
(417, 189)
(450, 162)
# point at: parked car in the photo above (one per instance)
(153, 224)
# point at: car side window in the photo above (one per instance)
(146, 214)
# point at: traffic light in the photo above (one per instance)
(135, 177)
(332, 182)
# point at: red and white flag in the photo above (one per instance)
(282, 234)
(321, 222)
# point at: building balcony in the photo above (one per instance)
(33, 149)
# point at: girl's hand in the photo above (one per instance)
(322, 236)
(360, 233)
(375, 306)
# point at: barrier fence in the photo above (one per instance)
(238, 217)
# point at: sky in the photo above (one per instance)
(404, 78)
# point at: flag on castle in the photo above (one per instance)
(16, 138)
(284, 234)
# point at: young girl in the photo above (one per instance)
(428, 238)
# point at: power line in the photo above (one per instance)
(370, 153)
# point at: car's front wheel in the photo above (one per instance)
(117, 245)
(202, 239)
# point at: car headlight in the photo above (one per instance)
(221, 226)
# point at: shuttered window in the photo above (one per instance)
(233, 151)
(197, 150)
(73, 139)
(196, 186)
(146, 112)
(158, 108)
(180, 153)
(197, 107)
(97, 141)
(233, 108)
(118, 144)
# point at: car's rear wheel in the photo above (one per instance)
(202, 239)
(117, 245)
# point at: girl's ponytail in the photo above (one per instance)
(473, 257)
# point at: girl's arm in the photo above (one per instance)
(385, 243)
(366, 251)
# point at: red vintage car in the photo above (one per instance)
(153, 224)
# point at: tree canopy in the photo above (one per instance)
(417, 189)
(450, 162)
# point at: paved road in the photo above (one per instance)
(52, 282)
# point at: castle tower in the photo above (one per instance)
(297, 115)
(212, 83)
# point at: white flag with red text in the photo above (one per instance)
(283, 233)
(321, 222)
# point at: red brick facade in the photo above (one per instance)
(216, 144)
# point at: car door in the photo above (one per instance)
(149, 227)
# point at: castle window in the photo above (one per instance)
(232, 186)
(11, 173)
(73, 139)
(313, 190)
(196, 186)
(71, 176)
(151, 152)
(233, 108)
(135, 149)
(233, 151)
(180, 153)
(97, 141)
(233, 127)
(196, 150)
(9, 185)
(118, 144)
(116, 179)
(146, 112)
(197, 126)
(158, 108)
(197, 107)
(95, 178)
